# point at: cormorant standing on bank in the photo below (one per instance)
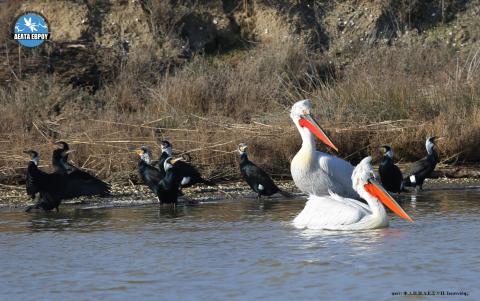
(55, 187)
(257, 179)
(165, 188)
(423, 168)
(62, 166)
(190, 175)
(390, 174)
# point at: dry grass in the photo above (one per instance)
(389, 95)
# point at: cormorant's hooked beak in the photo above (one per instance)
(138, 151)
(33, 155)
(242, 148)
(65, 153)
(30, 153)
(173, 161)
(376, 190)
(60, 143)
(307, 121)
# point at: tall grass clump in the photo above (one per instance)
(402, 95)
(208, 104)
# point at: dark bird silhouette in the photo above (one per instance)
(166, 151)
(62, 166)
(257, 179)
(166, 188)
(190, 175)
(31, 177)
(52, 188)
(390, 174)
(60, 158)
(149, 174)
(423, 168)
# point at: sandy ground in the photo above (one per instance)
(14, 198)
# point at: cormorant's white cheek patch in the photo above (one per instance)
(260, 187)
(412, 179)
(185, 180)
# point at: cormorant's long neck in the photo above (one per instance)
(32, 167)
(433, 156)
(164, 156)
(243, 159)
(57, 161)
(142, 165)
(386, 160)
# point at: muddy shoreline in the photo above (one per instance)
(14, 198)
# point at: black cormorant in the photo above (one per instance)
(190, 175)
(423, 168)
(60, 158)
(150, 175)
(166, 149)
(256, 178)
(30, 183)
(62, 166)
(166, 188)
(55, 187)
(390, 174)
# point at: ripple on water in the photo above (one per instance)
(237, 250)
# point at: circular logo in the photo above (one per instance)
(31, 29)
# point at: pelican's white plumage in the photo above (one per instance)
(314, 172)
(333, 212)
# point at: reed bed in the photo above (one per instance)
(386, 95)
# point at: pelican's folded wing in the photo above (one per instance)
(340, 175)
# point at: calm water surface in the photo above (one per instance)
(238, 250)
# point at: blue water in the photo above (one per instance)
(239, 250)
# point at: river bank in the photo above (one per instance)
(14, 198)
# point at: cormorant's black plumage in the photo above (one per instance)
(167, 187)
(390, 174)
(423, 168)
(166, 148)
(257, 179)
(55, 187)
(60, 159)
(190, 175)
(150, 175)
(62, 166)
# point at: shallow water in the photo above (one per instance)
(238, 250)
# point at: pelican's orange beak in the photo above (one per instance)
(307, 121)
(376, 190)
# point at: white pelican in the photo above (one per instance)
(333, 212)
(312, 171)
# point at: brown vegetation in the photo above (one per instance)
(209, 102)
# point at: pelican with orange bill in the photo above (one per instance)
(333, 212)
(315, 172)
